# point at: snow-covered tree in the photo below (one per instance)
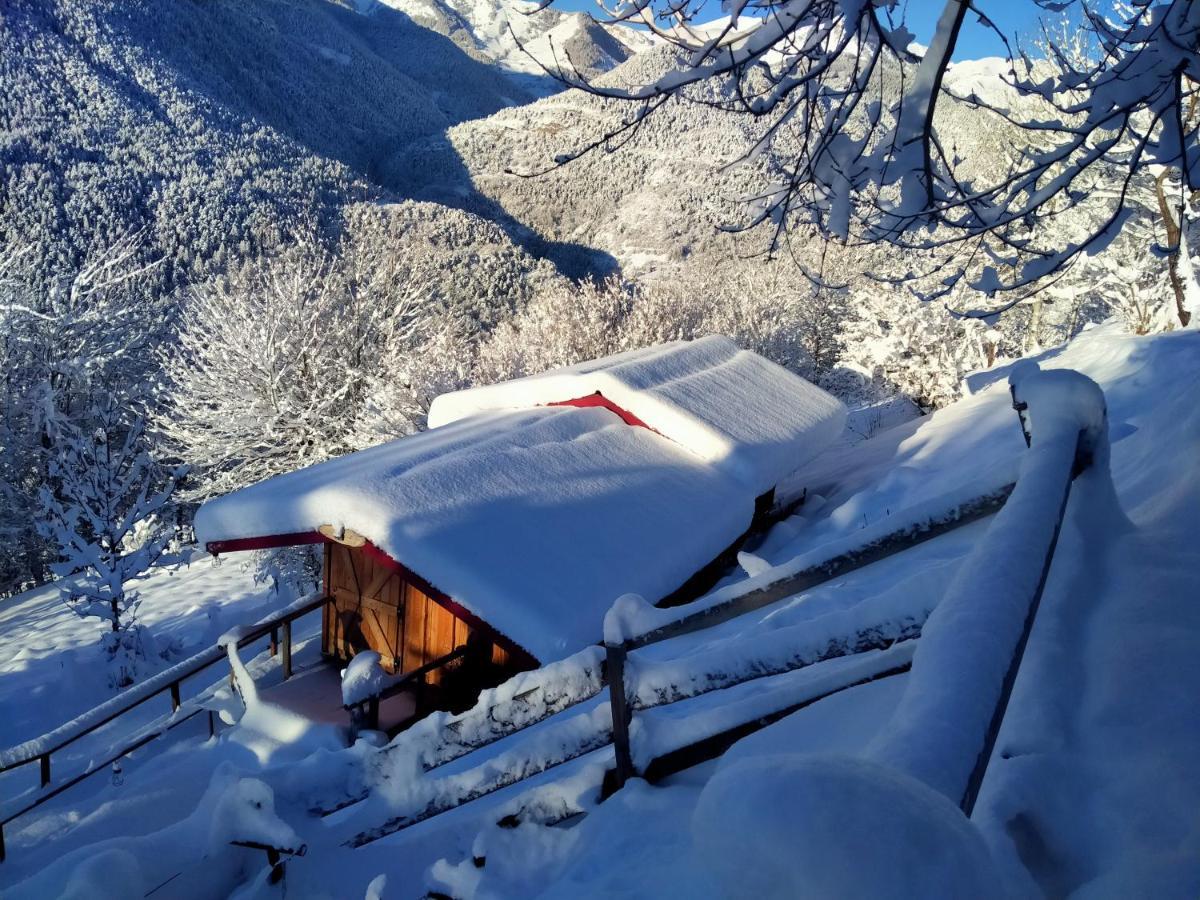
(67, 340)
(771, 310)
(859, 152)
(399, 395)
(308, 352)
(900, 345)
(261, 376)
(102, 510)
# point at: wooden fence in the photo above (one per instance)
(825, 564)
(169, 681)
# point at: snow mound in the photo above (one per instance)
(362, 678)
(1059, 402)
(792, 826)
(115, 868)
(746, 415)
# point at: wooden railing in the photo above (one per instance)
(364, 714)
(169, 681)
(834, 565)
(924, 523)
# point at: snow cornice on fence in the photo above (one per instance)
(944, 730)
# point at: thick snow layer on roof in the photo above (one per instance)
(751, 417)
(535, 521)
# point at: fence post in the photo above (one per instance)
(274, 641)
(287, 649)
(373, 713)
(45, 760)
(175, 701)
(621, 713)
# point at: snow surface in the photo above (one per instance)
(1093, 791)
(362, 678)
(746, 415)
(534, 520)
(52, 667)
(847, 828)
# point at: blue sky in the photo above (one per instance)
(1012, 16)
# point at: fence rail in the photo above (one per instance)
(932, 519)
(168, 681)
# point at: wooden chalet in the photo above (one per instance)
(504, 533)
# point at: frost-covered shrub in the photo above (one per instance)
(778, 318)
(902, 345)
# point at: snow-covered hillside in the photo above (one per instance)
(524, 41)
(1093, 792)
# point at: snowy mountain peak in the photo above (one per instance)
(522, 40)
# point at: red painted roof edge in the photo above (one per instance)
(598, 399)
(264, 542)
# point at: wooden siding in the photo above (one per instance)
(376, 608)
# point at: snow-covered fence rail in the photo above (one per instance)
(575, 737)
(876, 624)
(964, 672)
(708, 733)
(586, 732)
(521, 702)
(640, 627)
(40, 749)
(632, 626)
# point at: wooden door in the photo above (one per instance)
(368, 611)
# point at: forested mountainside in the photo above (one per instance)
(658, 196)
(213, 124)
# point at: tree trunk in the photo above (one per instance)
(1173, 240)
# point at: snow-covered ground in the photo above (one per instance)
(52, 667)
(1093, 791)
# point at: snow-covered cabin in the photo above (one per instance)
(529, 506)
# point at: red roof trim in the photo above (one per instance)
(264, 542)
(598, 399)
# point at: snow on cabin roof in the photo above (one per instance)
(533, 520)
(732, 408)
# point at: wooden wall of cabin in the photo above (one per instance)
(376, 608)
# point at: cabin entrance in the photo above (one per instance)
(378, 605)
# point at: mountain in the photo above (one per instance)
(214, 125)
(664, 193)
(656, 201)
(523, 42)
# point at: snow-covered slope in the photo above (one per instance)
(522, 40)
(1094, 791)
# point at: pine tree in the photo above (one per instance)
(102, 511)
